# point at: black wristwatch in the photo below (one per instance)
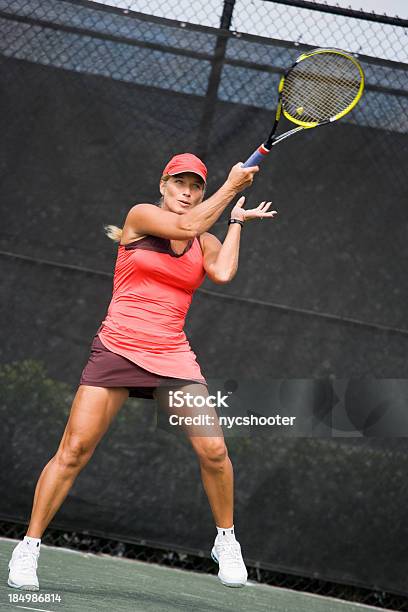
(236, 221)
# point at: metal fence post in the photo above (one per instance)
(214, 80)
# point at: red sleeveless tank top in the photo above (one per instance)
(152, 292)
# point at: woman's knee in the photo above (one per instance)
(211, 452)
(74, 453)
(91, 413)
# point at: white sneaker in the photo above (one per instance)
(227, 553)
(23, 568)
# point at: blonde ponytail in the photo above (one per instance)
(113, 232)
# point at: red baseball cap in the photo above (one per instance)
(186, 162)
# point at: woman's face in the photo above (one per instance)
(181, 192)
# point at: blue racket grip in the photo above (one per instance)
(257, 157)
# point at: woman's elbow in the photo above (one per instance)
(222, 278)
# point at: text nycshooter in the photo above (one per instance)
(255, 420)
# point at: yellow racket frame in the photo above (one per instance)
(311, 124)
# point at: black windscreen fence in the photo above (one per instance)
(94, 101)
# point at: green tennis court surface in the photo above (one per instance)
(100, 582)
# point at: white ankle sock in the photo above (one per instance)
(228, 533)
(32, 543)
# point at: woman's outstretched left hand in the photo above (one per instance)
(260, 212)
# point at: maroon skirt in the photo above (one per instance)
(107, 369)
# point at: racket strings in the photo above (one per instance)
(320, 87)
(315, 98)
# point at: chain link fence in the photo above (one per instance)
(240, 63)
(179, 56)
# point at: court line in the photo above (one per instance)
(250, 583)
(38, 609)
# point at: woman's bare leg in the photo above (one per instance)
(208, 442)
(218, 478)
(92, 411)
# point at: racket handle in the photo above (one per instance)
(257, 156)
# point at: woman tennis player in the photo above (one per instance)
(141, 350)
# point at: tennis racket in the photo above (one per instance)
(321, 86)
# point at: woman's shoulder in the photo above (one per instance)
(129, 235)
